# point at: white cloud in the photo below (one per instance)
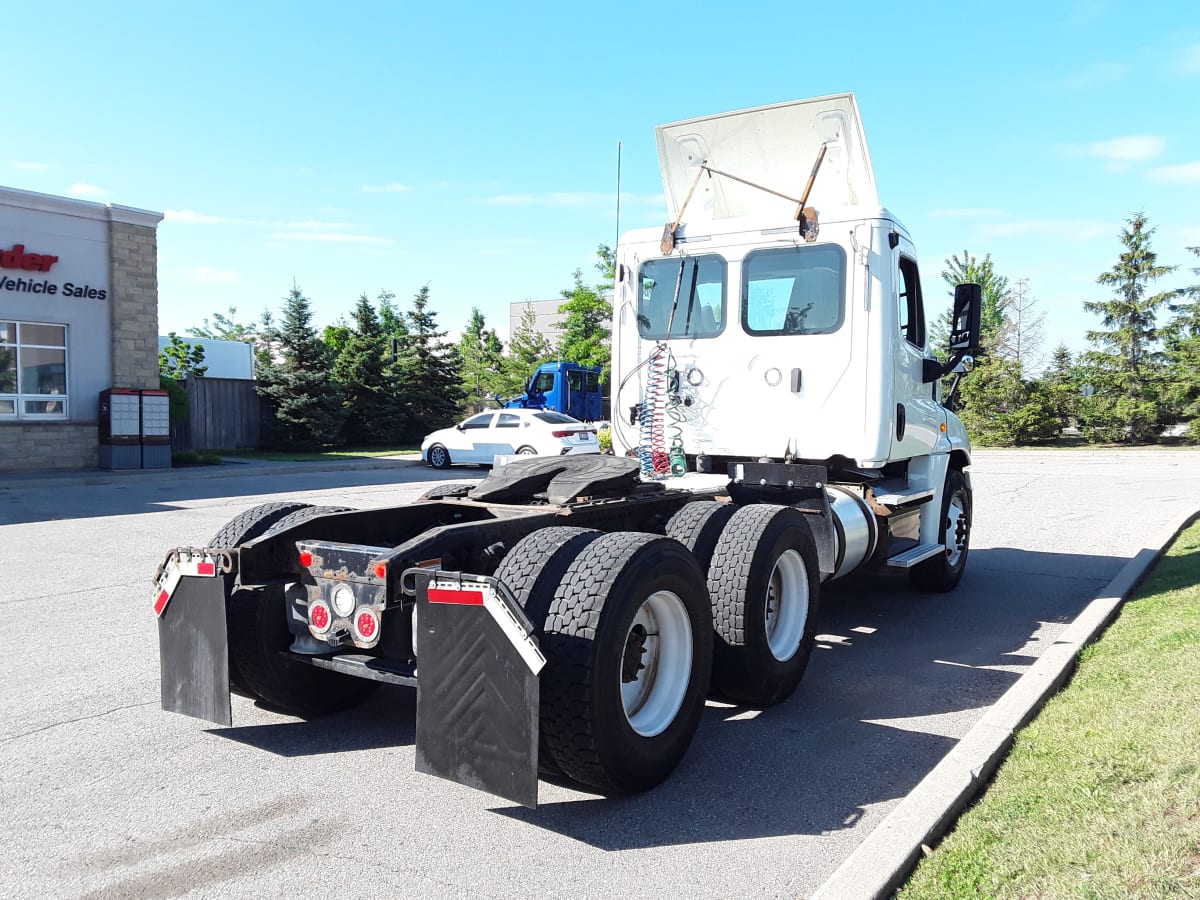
(1129, 148)
(1189, 61)
(1068, 229)
(977, 213)
(329, 237)
(206, 275)
(394, 188)
(1098, 74)
(88, 190)
(1184, 173)
(191, 216)
(30, 166)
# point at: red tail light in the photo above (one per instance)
(306, 558)
(319, 617)
(562, 434)
(380, 570)
(366, 624)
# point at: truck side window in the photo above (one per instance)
(912, 309)
(544, 383)
(794, 290)
(685, 295)
(575, 380)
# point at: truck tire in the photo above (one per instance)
(943, 572)
(438, 457)
(256, 625)
(454, 489)
(532, 570)
(303, 515)
(765, 588)
(698, 526)
(254, 522)
(628, 644)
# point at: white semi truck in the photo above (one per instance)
(778, 422)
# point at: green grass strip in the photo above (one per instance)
(1100, 796)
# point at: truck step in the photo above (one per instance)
(903, 496)
(914, 555)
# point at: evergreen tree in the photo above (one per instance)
(429, 370)
(305, 404)
(371, 398)
(1061, 382)
(1182, 339)
(482, 356)
(1000, 407)
(391, 323)
(528, 348)
(1126, 369)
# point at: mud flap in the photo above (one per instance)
(193, 650)
(477, 686)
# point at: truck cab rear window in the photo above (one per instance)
(794, 290)
(680, 298)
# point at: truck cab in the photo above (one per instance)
(784, 338)
(564, 387)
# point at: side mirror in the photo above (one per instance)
(965, 366)
(964, 325)
(461, 427)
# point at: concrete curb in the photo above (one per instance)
(229, 469)
(880, 865)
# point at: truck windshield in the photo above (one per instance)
(692, 287)
(794, 290)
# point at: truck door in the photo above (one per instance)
(917, 416)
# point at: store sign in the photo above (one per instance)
(17, 258)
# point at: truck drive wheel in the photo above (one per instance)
(943, 572)
(765, 589)
(628, 643)
(254, 522)
(698, 526)
(256, 624)
(438, 457)
(532, 570)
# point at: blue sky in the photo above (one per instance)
(360, 147)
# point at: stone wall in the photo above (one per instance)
(48, 445)
(133, 281)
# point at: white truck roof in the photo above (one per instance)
(773, 146)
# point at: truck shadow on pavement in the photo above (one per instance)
(897, 678)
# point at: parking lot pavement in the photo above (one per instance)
(105, 795)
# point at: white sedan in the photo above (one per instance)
(526, 432)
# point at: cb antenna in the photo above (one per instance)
(618, 237)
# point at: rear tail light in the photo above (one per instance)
(306, 558)
(319, 616)
(342, 599)
(366, 625)
(562, 434)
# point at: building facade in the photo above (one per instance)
(78, 314)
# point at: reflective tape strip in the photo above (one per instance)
(485, 595)
(166, 587)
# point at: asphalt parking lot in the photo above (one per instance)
(106, 795)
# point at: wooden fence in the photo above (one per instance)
(223, 413)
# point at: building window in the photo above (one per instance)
(33, 370)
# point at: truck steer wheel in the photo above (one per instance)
(765, 590)
(943, 572)
(628, 643)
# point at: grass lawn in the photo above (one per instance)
(1100, 796)
(341, 453)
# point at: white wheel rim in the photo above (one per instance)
(656, 663)
(956, 529)
(787, 605)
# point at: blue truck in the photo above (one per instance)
(564, 387)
